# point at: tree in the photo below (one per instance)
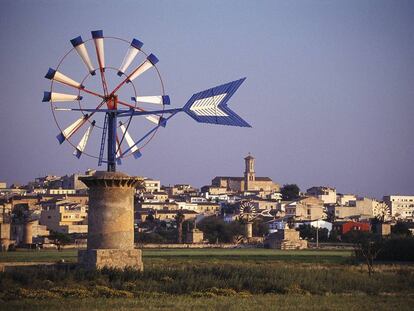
(61, 238)
(401, 228)
(367, 248)
(260, 228)
(290, 192)
(179, 218)
(309, 232)
(215, 229)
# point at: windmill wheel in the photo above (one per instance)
(112, 66)
(95, 107)
(248, 210)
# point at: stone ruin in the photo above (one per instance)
(285, 239)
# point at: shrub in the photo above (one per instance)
(36, 294)
(397, 249)
(103, 291)
(72, 292)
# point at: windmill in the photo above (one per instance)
(248, 211)
(104, 116)
(381, 211)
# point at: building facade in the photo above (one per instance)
(326, 194)
(247, 183)
(401, 206)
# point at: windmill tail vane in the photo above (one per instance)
(208, 106)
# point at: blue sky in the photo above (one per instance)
(329, 89)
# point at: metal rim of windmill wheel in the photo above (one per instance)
(381, 211)
(108, 100)
(247, 210)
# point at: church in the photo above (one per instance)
(247, 183)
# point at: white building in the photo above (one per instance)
(401, 206)
(344, 199)
(151, 185)
(326, 194)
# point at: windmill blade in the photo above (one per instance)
(57, 76)
(157, 100)
(157, 120)
(82, 144)
(59, 97)
(98, 39)
(80, 47)
(68, 132)
(147, 64)
(118, 153)
(210, 106)
(133, 148)
(130, 55)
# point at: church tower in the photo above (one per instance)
(249, 174)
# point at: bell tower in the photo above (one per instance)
(249, 173)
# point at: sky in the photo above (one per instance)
(329, 90)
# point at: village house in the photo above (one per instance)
(401, 206)
(307, 208)
(65, 217)
(162, 215)
(343, 227)
(326, 194)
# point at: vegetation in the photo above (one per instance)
(217, 231)
(397, 248)
(240, 302)
(290, 192)
(401, 228)
(308, 232)
(210, 279)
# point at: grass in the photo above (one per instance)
(199, 255)
(39, 256)
(257, 302)
(208, 279)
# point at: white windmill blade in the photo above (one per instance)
(67, 132)
(118, 151)
(153, 118)
(98, 39)
(134, 149)
(82, 144)
(60, 97)
(132, 52)
(147, 64)
(57, 76)
(80, 47)
(157, 100)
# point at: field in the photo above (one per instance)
(210, 279)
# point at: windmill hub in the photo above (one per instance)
(112, 101)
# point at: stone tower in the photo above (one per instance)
(111, 222)
(249, 173)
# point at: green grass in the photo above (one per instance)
(249, 254)
(39, 256)
(257, 302)
(208, 279)
(199, 255)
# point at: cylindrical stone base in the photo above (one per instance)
(28, 233)
(248, 230)
(110, 220)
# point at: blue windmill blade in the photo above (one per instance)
(210, 106)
